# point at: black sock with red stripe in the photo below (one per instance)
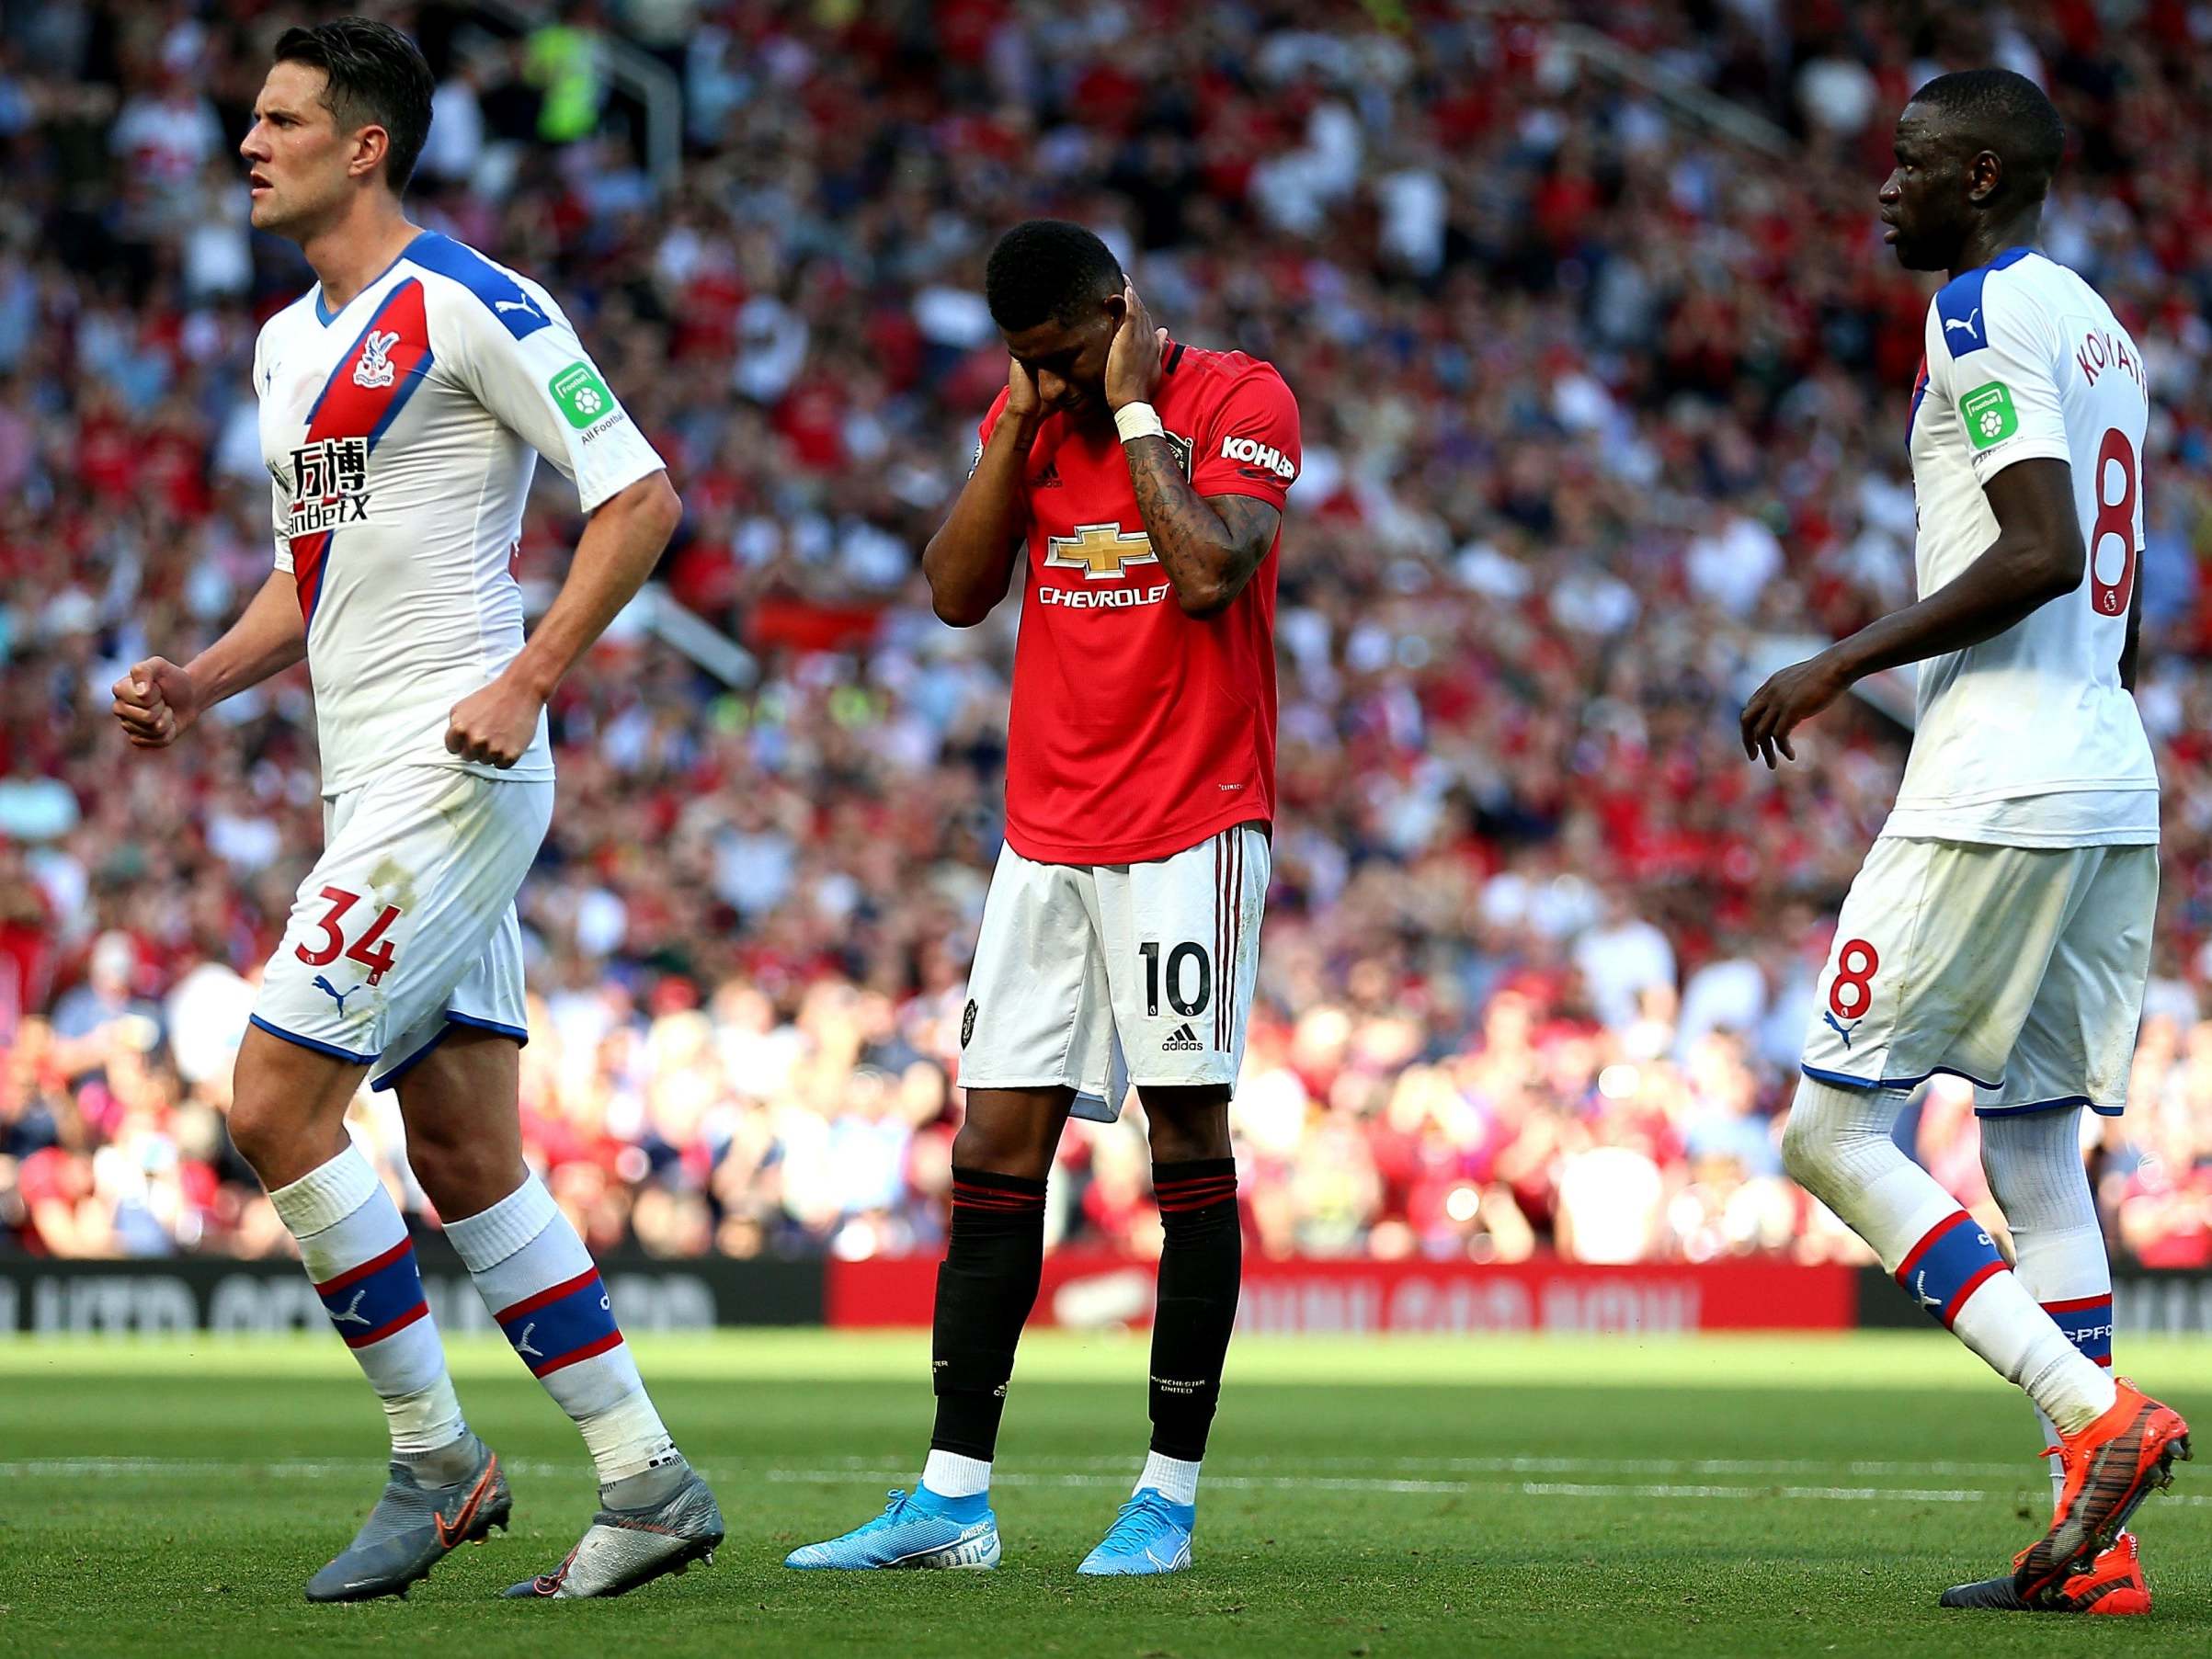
(1200, 1261)
(985, 1286)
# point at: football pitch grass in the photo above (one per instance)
(1689, 1497)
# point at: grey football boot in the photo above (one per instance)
(414, 1527)
(651, 1524)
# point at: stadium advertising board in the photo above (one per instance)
(1082, 1291)
(45, 1297)
(1360, 1298)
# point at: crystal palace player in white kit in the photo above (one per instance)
(404, 403)
(2000, 928)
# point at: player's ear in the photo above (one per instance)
(1984, 175)
(370, 145)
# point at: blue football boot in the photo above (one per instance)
(921, 1530)
(1150, 1535)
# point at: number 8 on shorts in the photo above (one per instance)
(1852, 992)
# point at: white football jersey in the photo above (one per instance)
(402, 432)
(2029, 739)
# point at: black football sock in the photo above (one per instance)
(985, 1286)
(1200, 1261)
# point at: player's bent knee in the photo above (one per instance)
(1187, 1123)
(461, 1180)
(287, 1106)
(1004, 1149)
(256, 1130)
(1810, 1145)
(1012, 1132)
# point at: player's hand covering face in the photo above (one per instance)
(1065, 363)
(1132, 362)
(1021, 400)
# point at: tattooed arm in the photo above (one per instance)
(1209, 545)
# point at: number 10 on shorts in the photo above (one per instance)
(1188, 969)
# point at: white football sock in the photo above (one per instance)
(1172, 1477)
(539, 1283)
(354, 1248)
(1838, 1146)
(949, 1475)
(2033, 1164)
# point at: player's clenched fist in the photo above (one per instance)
(495, 724)
(156, 702)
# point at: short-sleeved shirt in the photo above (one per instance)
(401, 433)
(2029, 739)
(1137, 730)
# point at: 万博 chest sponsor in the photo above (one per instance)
(329, 485)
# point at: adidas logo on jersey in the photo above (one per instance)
(1181, 1041)
(1047, 480)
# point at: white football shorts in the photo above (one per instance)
(406, 926)
(1094, 976)
(2021, 969)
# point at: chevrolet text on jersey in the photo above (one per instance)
(1104, 599)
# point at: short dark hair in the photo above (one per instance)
(1998, 110)
(377, 77)
(1048, 267)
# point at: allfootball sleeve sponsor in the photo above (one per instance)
(543, 386)
(2002, 375)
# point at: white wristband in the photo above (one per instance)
(1134, 421)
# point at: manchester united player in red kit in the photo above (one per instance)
(1137, 484)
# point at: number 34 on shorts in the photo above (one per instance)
(408, 922)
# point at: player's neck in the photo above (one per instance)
(1984, 242)
(349, 253)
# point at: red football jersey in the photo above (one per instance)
(1137, 730)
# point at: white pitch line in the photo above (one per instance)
(859, 1466)
(1532, 1465)
(1563, 1489)
(853, 1473)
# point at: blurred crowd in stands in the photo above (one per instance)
(1604, 407)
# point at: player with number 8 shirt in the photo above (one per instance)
(1136, 484)
(2000, 930)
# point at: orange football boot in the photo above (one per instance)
(2114, 1584)
(2110, 1467)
